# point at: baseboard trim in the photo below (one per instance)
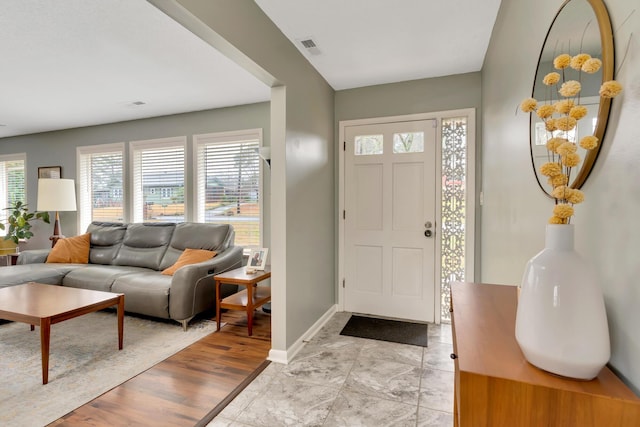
(285, 356)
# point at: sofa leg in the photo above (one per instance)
(185, 323)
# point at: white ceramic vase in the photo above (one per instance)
(561, 322)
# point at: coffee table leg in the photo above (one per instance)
(45, 337)
(120, 321)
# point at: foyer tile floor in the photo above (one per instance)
(344, 381)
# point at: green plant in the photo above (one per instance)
(19, 224)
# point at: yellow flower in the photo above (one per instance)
(528, 105)
(566, 148)
(561, 192)
(550, 169)
(591, 65)
(557, 220)
(545, 111)
(578, 112)
(564, 106)
(566, 123)
(575, 196)
(554, 143)
(570, 88)
(571, 160)
(551, 79)
(578, 60)
(558, 180)
(610, 89)
(562, 61)
(550, 125)
(563, 115)
(589, 142)
(563, 211)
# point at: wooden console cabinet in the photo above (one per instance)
(495, 385)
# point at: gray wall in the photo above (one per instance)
(410, 97)
(59, 148)
(302, 168)
(515, 210)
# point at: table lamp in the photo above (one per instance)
(56, 195)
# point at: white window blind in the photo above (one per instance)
(12, 184)
(101, 184)
(158, 177)
(228, 183)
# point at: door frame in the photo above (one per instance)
(470, 191)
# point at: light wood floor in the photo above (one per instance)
(190, 387)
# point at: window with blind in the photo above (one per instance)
(158, 180)
(228, 183)
(12, 184)
(101, 184)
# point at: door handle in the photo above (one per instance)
(427, 226)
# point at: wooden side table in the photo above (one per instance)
(496, 386)
(248, 299)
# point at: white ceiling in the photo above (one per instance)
(77, 63)
(369, 42)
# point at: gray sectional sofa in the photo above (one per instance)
(129, 258)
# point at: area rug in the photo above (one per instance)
(84, 362)
(386, 330)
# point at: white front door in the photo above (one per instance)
(390, 179)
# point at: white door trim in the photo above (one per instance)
(470, 113)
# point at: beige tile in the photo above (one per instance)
(385, 379)
(345, 381)
(356, 409)
(289, 402)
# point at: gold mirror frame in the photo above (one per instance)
(607, 57)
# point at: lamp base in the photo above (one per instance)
(57, 232)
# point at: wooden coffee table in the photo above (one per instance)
(45, 305)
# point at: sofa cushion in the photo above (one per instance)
(189, 256)
(71, 250)
(145, 293)
(98, 277)
(194, 235)
(51, 274)
(144, 245)
(106, 238)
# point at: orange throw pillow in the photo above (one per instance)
(73, 250)
(189, 256)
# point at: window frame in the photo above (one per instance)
(228, 137)
(11, 158)
(87, 150)
(133, 182)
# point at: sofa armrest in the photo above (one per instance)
(33, 256)
(193, 286)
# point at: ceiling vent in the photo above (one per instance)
(135, 104)
(310, 46)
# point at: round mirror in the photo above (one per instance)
(580, 26)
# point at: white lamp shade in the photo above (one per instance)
(56, 195)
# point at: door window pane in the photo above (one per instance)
(454, 201)
(368, 144)
(408, 142)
